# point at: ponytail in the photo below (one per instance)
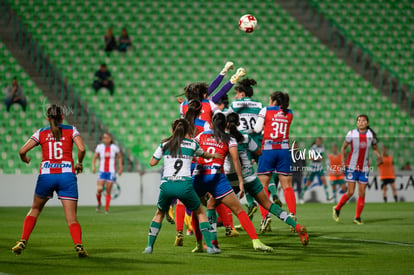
(54, 114)
(193, 112)
(219, 127)
(173, 143)
(282, 100)
(232, 124)
(245, 85)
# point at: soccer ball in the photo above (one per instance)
(247, 23)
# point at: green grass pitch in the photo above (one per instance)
(384, 244)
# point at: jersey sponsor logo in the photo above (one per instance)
(48, 165)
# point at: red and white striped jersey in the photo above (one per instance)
(56, 155)
(276, 127)
(360, 143)
(107, 155)
(208, 143)
(207, 109)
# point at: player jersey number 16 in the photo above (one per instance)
(55, 150)
(279, 129)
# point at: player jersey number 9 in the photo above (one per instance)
(55, 150)
(210, 150)
(279, 129)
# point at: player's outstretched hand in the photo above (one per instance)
(78, 168)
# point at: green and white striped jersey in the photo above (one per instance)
(179, 167)
(248, 110)
(244, 147)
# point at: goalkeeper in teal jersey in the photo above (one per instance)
(252, 184)
(178, 152)
(248, 110)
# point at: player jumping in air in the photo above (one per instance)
(57, 174)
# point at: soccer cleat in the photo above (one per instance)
(106, 212)
(265, 225)
(358, 221)
(229, 66)
(258, 245)
(170, 215)
(19, 247)
(189, 232)
(147, 250)
(292, 229)
(231, 232)
(81, 251)
(303, 234)
(239, 227)
(179, 239)
(335, 214)
(251, 210)
(98, 208)
(277, 201)
(213, 250)
(198, 248)
(239, 73)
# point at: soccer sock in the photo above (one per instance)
(76, 233)
(179, 216)
(342, 202)
(290, 200)
(385, 199)
(264, 211)
(155, 228)
(28, 225)
(326, 191)
(247, 225)
(250, 200)
(196, 227)
(360, 206)
(107, 201)
(223, 212)
(187, 222)
(212, 219)
(98, 198)
(282, 214)
(396, 198)
(226, 87)
(272, 189)
(205, 229)
(216, 82)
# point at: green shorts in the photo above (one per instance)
(180, 189)
(337, 182)
(253, 187)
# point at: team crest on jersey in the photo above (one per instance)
(363, 144)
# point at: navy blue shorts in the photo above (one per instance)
(216, 184)
(107, 176)
(65, 185)
(275, 161)
(356, 176)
